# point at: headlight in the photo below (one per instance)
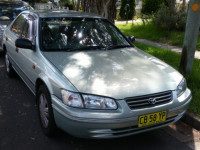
(181, 87)
(71, 99)
(89, 101)
(97, 102)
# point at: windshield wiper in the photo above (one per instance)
(75, 49)
(118, 46)
(86, 48)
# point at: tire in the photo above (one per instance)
(8, 66)
(45, 111)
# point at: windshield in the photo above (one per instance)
(70, 34)
(10, 11)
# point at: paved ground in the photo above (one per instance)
(165, 46)
(20, 129)
(185, 134)
(129, 21)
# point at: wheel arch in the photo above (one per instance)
(43, 80)
(49, 128)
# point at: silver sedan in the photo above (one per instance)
(88, 78)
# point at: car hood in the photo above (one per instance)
(118, 73)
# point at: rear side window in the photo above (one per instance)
(18, 24)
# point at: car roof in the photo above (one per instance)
(62, 13)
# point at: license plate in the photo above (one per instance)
(151, 119)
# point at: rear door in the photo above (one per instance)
(11, 36)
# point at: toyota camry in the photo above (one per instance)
(88, 78)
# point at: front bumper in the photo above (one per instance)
(86, 123)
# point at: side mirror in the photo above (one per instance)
(24, 43)
(131, 38)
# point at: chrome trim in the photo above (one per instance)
(150, 100)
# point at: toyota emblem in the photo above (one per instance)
(152, 101)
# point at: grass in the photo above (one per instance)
(173, 59)
(151, 32)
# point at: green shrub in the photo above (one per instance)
(151, 6)
(66, 3)
(127, 10)
(170, 20)
(181, 19)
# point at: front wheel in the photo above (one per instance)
(9, 69)
(45, 111)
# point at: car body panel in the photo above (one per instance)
(62, 13)
(87, 72)
(104, 125)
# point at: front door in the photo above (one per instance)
(27, 57)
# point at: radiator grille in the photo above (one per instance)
(151, 100)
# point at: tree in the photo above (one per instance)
(76, 4)
(171, 4)
(184, 2)
(65, 3)
(183, 6)
(191, 36)
(151, 6)
(127, 10)
(171, 16)
(106, 8)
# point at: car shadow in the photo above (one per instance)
(152, 140)
(184, 133)
(1, 54)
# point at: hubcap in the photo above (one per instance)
(44, 110)
(7, 63)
